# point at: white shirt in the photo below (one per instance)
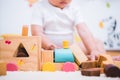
(57, 23)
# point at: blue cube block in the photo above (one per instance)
(63, 55)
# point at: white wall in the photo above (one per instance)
(15, 13)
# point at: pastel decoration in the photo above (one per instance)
(12, 67)
(31, 2)
(20, 62)
(49, 66)
(63, 55)
(77, 37)
(65, 44)
(101, 24)
(1, 37)
(108, 5)
(68, 66)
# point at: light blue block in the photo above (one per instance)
(63, 55)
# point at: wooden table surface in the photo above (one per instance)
(113, 53)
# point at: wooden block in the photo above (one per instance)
(78, 54)
(65, 44)
(48, 66)
(117, 63)
(9, 49)
(91, 72)
(68, 67)
(2, 68)
(25, 30)
(47, 56)
(89, 64)
(63, 55)
(111, 70)
(104, 59)
(59, 66)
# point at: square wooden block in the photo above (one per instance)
(2, 68)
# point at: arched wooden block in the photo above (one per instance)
(48, 66)
(12, 67)
(68, 66)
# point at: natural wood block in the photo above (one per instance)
(117, 63)
(47, 56)
(25, 30)
(78, 54)
(112, 71)
(104, 59)
(10, 48)
(89, 64)
(91, 72)
(3, 68)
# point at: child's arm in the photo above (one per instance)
(88, 40)
(46, 43)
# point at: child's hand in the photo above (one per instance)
(52, 47)
(94, 55)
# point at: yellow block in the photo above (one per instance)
(25, 30)
(49, 67)
(65, 44)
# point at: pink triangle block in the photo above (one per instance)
(68, 66)
(12, 67)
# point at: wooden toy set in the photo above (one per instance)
(24, 53)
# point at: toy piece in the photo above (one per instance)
(104, 59)
(12, 67)
(78, 54)
(47, 56)
(91, 72)
(65, 44)
(60, 65)
(89, 64)
(25, 30)
(49, 66)
(31, 46)
(2, 68)
(111, 70)
(63, 55)
(68, 66)
(117, 63)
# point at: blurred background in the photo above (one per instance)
(101, 16)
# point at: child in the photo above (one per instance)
(55, 20)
